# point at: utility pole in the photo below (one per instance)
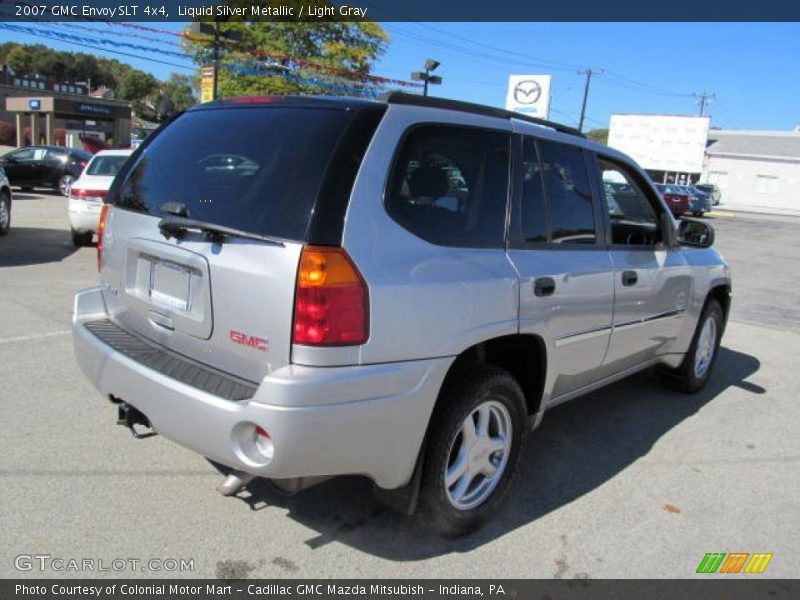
(219, 37)
(703, 99)
(216, 58)
(588, 73)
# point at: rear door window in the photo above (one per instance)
(569, 195)
(449, 185)
(533, 209)
(256, 169)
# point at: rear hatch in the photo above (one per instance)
(201, 248)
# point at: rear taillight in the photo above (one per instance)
(88, 195)
(101, 227)
(331, 305)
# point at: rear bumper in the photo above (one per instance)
(367, 420)
(84, 216)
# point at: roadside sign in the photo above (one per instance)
(529, 94)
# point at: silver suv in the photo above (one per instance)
(298, 288)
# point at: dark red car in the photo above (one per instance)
(677, 200)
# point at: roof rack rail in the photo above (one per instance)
(470, 107)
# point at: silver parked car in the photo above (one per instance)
(298, 288)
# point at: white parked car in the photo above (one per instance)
(88, 192)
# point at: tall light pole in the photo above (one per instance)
(426, 77)
(588, 73)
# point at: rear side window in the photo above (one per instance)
(533, 209)
(106, 165)
(254, 169)
(449, 185)
(568, 193)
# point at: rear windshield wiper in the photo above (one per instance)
(178, 226)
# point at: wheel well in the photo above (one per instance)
(524, 356)
(722, 294)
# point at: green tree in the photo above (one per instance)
(19, 60)
(273, 57)
(135, 85)
(180, 90)
(598, 135)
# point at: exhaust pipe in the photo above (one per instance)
(234, 482)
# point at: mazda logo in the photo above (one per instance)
(527, 92)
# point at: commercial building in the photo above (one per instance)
(43, 106)
(759, 169)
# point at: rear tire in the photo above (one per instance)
(65, 184)
(5, 213)
(695, 371)
(476, 437)
(81, 238)
(698, 213)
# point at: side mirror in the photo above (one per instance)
(695, 233)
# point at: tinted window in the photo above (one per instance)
(533, 210)
(569, 196)
(634, 220)
(449, 185)
(106, 165)
(26, 154)
(254, 169)
(59, 155)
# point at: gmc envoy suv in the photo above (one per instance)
(298, 288)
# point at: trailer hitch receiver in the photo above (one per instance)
(130, 417)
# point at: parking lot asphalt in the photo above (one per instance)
(629, 481)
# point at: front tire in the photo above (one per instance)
(476, 437)
(5, 213)
(695, 371)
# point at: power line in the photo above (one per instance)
(527, 57)
(41, 33)
(461, 51)
(610, 77)
(646, 87)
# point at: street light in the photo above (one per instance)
(426, 77)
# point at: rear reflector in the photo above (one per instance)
(264, 444)
(100, 229)
(331, 300)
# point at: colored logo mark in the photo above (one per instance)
(735, 562)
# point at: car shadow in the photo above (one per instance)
(579, 446)
(18, 194)
(34, 246)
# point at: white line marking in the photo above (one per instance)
(35, 336)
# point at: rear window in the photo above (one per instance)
(106, 165)
(254, 169)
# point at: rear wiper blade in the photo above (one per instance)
(178, 226)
